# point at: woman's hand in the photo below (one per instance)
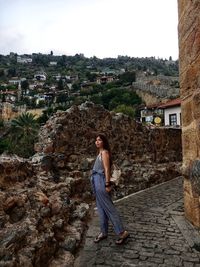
(108, 187)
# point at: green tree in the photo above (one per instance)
(96, 99)
(118, 96)
(128, 110)
(4, 145)
(97, 88)
(41, 104)
(24, 130)
(24, 86)
(11, 87)
(46, 114)
(12, 72)
(61, 98)
(115, 102)
(40, 59)
(2, 72)
(76, 86)
(128, 77)
(91, 76)
(62, 61)
(60, 84)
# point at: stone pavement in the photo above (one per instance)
(160, 236)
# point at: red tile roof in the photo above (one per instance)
(171, 103)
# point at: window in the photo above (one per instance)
(172, 119)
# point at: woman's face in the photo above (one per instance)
(99, 142)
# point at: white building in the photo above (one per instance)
(24, 59)
(172, 112)
(14, 81)
(53, 63)
(40, 76)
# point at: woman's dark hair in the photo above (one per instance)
(105, 145)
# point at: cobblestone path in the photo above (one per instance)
(154, 218)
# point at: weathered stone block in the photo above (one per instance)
(191, 204)
(126, 136)
(189, 81)
(181, 6)
(189, 59)
(186, 113)
(196, 104)
(194, 176)
(190, 150)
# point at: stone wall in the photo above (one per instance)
(74, 131)
(148, 99)
(45, 200)
(42, 220)
(189, 54)
(139, 151)
(161, 91)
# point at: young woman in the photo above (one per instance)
(101, 186)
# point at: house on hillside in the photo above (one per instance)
(172, 112)
(40, 76)
(24, 59)
(52, 63)
(87, 85)
(104, 79)
(150, 112)
(168, 114)
(10, 96)
(14, 81)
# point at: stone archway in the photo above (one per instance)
(189, 57)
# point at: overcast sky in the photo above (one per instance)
(102, 28)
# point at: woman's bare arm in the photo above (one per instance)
(106, 164)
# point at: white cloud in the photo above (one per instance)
(93, 27)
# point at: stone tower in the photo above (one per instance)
(189, 57)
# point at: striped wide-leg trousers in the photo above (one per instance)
(105, 206)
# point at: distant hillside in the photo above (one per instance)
(15, 65)
(57, 82)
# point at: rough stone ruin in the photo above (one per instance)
(189, 57)
(71, 135)
(45, 201)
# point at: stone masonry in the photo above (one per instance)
(159, 235)
(189, 51)
(45, 200)
(74, 132)
(145, 155)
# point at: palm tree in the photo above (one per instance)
(24, 130)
